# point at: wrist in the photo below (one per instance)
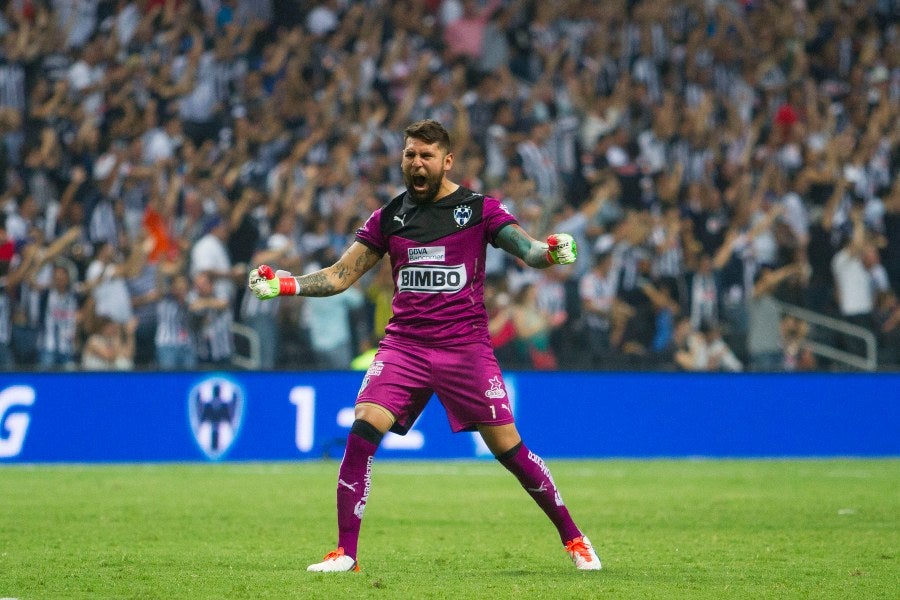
(544, 250)
(287, 286)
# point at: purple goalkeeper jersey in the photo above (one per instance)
(437, 253)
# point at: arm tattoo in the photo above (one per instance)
(341, 271)
(368, 260)
(338, 277)
(315, 284)
(517, 242)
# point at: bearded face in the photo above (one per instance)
(423, 169)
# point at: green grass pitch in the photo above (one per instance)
(664, 529)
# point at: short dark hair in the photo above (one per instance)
(430, 131)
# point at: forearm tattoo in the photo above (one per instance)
(338, 277)
(316, 284)
(514, 240)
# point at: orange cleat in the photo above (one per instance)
(582, 553)
(335, 561)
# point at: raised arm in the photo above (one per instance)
(769, 281)
(355, 261)
(517, 242)
(559, 249)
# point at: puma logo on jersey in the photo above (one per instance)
(400, 219)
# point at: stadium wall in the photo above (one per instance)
(244, 416)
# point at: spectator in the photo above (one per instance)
(663, 296)
(500, 323)
(853, 283)
(211, 314)
(110, 347)
(602, 311)
(59, 334)
(704, 294)
(499, 143)
(106, 277)
(210, 255)
(87, 76)
(798, 356)
(764, 341)
(330, 326)
(707, 351)
(28, 283)
(145, 293)
(20, 222)
(538, 164)
(557, 297)
(534, 327)
(175, 338)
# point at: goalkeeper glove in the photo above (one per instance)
(267, 284)
(561, 249)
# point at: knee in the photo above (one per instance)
(375, 415)
(500, 439)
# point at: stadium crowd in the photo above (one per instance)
(712, 158)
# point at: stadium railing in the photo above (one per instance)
(831, 326)
(246, 347)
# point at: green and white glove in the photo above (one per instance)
(561, 249)
(267, 284)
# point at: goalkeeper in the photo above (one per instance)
(437, 342)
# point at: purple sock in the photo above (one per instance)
(535, 477)
(354, 481)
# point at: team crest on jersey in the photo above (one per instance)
(496, 390)
(462, 214)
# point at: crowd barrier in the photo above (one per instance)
(261, 416)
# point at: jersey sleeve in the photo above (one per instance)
(371, 233)
(495, 216)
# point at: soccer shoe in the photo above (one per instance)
(335, 561)
(583, 555)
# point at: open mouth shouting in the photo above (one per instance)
(420, 183)
(421, 187)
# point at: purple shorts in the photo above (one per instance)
(466, 379)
